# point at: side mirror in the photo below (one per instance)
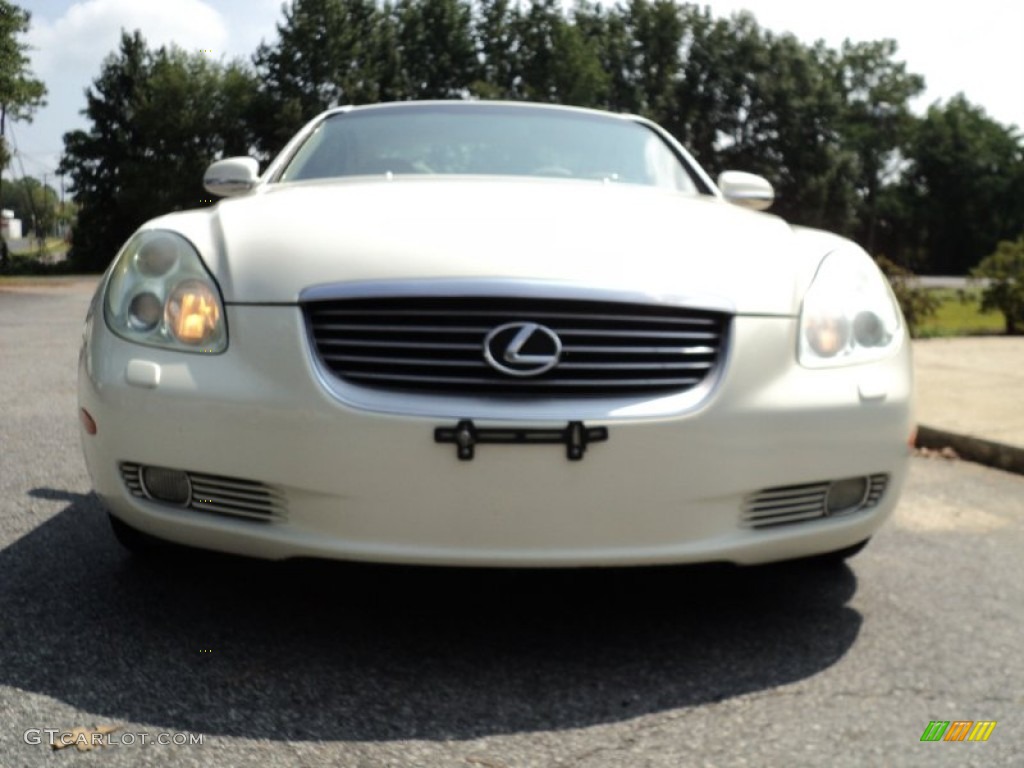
(746, 190)
(231, 176)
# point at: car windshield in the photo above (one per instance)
(488, 140)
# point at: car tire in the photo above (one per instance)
(135, 541)
(839, 556)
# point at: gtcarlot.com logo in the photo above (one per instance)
(85, 739)
(958, 730)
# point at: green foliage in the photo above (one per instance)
(917, 303)
(158, 119)
(831, 128)
(35, 205)
(959, 313)
(557, 63)
(875, 124)
(436, 40)
(1004, 270)
(756, 101)
(963, 189)
(327, 52)
(20, 93)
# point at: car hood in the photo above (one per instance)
(271, 245)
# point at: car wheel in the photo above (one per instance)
(838, 557)
(135, 541)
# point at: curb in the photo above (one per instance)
(998, 455)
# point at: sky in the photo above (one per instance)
(974, 48)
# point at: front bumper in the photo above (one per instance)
(375, 486)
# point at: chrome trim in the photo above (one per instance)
(511, 354)
(510, 288)
(783, 505)
(510, 408)
(234, 497)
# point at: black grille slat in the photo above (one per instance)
(656, 351)
(436, 345)
(635, 366)
(404, 361)
(410, 328)
(526, 383)
(639, 333)
(525, 315)
(399, 344)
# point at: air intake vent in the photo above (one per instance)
(796, 503)
(440, 344)
(215, 495)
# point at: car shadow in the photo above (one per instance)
(325, 651)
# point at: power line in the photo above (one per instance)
(36, 220)
(31, 157)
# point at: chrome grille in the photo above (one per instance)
(436, 344)
(217, 495)
(797, 503)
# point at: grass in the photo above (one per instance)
(28, 263)
(53, 245)
(960, 314)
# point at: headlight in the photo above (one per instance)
(849, 314)
(160, 294)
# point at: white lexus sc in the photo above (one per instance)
(493, 334)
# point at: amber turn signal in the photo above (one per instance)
(193, 312)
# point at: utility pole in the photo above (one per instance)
(3, 148)
(46, 202)
(63, 223)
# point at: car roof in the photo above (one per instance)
(473, 104)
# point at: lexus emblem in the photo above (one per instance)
(522, 349)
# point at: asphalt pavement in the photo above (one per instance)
(372, 667)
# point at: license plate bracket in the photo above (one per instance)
(575, 436)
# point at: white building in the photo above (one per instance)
(10, 226)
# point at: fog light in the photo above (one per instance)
(846, 495)
(168, 485)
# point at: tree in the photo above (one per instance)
(20, 93)
(33, 203)
(655, 29)
(753, 100)
(1004, 271)
(438, 50)
(608, 32)
(495, 32)
(158, 119)
(962, 186)
(327, 53)
(916, 303)
(557, 63)
(876, 123)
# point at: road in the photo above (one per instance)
(366, 667)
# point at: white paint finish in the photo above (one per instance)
(377, 487)
(269, 246)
